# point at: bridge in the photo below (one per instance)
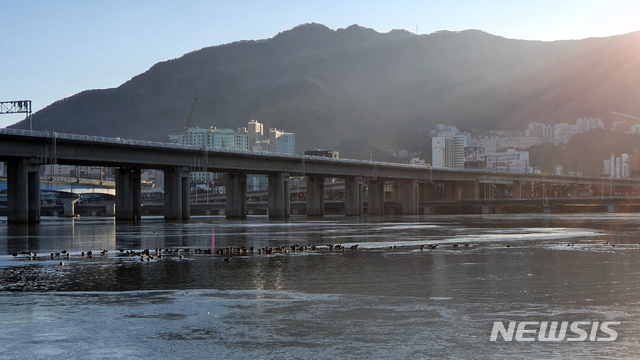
(25, 151)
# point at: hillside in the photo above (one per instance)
(355, 89)
(589, 148)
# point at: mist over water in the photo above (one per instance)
(388, 299)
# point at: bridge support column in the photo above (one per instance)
(128, 194)
(34, 194)
(457, 190)
(361, 194)
(426, 191)
(286, 195)
(69, 205)
(475, 190)
(110, 208)
(352, 196)
(277, 196)
(375, 197)
(517, 190)
(186, 195)
(23, 192)
(236, 195)
(574, 191)
(395, 191)
(448, 190)
(315, 196)
(409, 197)
(177, 194)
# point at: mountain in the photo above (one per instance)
(355, 90)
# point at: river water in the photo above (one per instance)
(387, 299)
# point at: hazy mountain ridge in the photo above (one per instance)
(353, 89)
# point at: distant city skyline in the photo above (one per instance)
(53, 51)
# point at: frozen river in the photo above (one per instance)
(388, 299)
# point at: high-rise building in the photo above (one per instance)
(213, 138)
(625, 166)
(256, 132)
(282, 142)
(439, 152)
(448, 150)
(459, 143)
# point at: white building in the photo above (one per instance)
(562, 132)
(438, 151)
(618, 166)
(512, 160)
(212, 138)
(448, 151)
(447, 145)
(495, 143)
(585, 124)
(282, 142)
(256, 132)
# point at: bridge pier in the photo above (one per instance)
(574, 191)
(69, 203)
(110, 208)
(375, 197)
(352, 196)
(236, 195)
(487, 191)
(409, 197)
(23, 192)
(128, 201)
(34, 195)
(475, 190)
(457, 190)
(448, 190)
(315, 196)
(177, 194)
(278, 197)
(395, 191)
(286, 195)
(501, 191)
(426, 191)
(517, 190)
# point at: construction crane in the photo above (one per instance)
(186, 128)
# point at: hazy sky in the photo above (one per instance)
(54, 49)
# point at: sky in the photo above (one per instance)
(53, 49)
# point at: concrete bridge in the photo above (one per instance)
(25, 151)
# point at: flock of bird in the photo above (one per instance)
(159, 253)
